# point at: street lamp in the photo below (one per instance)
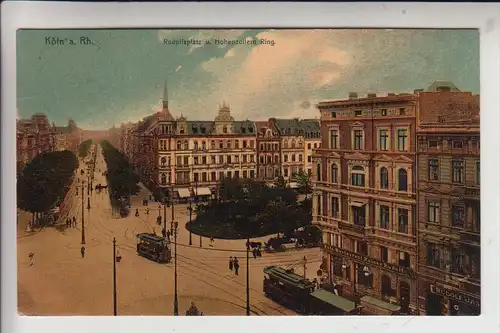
(174, 226)
(83, 213)
(190, 220)
(248, 277)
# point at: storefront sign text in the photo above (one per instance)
(455, 295)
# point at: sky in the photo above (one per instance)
(120, 76)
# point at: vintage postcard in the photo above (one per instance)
(271, 172)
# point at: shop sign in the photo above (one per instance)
(455, 295)
(370, 261)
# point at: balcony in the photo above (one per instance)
(470, 238)
(359, 229)
(472, 192)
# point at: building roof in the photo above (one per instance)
(334, 300)
(437, 85)
(288, 126)
(311, 128)
(200, 127)
(243, 127)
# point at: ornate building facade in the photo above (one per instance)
(449, 220)
(292, 147)
(268, 151)
(312, 136)
(364, 199)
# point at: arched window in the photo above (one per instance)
(301, 145)
(186, 145)
(402, 180)
(358, 176)
(384, 178)
(318, 172)
(293, 144)
(179, 145)
(163, 179)
(224, 129)
(163, 161)
(335, 173)
(285, 144)
(276, 172)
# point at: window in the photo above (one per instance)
(402, 220)
(229, 159)
(384, 217)
(458, 144)
(402, 139)
(384, 254)
(224, 129)
(334, 175)
(383, 112)
(362, 248)
(213, 159)
(252, 144)
(384, 138)
(276, 159)
(252, 174)
(458, 170)
(203, 176)
(237, 144)
(384, 178)
(433, 211)
(358, 113)
(196, 145)
(358, 140)
(433, 255)
(221, 159)
(402, 180)
(478, 172)
(358, 176)
(315, 145)
(245, 174)
(179, 145)
(334, 115)
(221, 144)
(309, 159)
(401, 111)
(335, 207)
(432, 144)
(204, 159)
(308, 146)
(196, 177)
(300, 157)
(404, 259)
(334, 135)
(237, 174)
(433, 169)
(186, 160)
(293, 157)
(179, 160)
(163, 179)
(229, 175)
(213, 144)
(286, 157)
(457, 216)
(358, 216)
(196, 160)
(203, 145)
(293, 144)
(163, 161)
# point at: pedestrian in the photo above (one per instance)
(231, 263)
(211, 241)
(74, 222)
(254, 252)
(147, 211)
(236, 266)
(259, 254)
(136, 211)
(164, 233)
(168, 234)
(82, 251)
(31, 256)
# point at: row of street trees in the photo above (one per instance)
(45, 181)
(84, 147)
(249, 209)
(122, 179)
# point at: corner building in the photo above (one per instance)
(364, 199)
(449, 219)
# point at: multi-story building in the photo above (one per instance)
(268, 151)
(364, 199)
(292, 148)
(67, 137)
(449, 220)
(193, 156)
(312, 135)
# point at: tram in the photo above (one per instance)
(301, 295)
(153, 247)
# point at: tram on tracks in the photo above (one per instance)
(301, 295)
(154, 247)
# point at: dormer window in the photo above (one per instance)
(250, 129)
(182, 130)
(243, 130)
(383, 112)
(203, 130)
(224, 129)
(357, 113)
(195, 130)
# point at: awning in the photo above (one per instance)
(379, 303)
(184, 193)
(202, 191)
(357, 204)
(294, 185)
(334, 300)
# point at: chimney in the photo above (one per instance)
(416, 91)
(372, 95)
(353, 95)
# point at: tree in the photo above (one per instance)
(84, 147)
(280, 182)
(304, 182)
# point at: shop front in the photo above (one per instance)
(444, 299)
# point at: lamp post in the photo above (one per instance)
(114, 276)
(83, 219)
(248, 277)
(174, 226)
(190, 220)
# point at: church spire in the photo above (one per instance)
(165, 96)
